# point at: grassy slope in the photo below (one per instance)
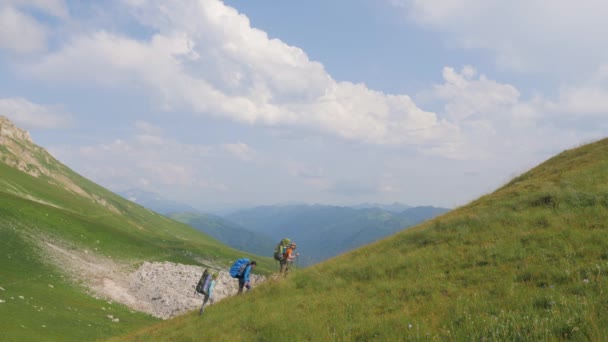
(527, 262)
(41, 305)
(32, 207)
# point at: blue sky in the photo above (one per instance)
(335, 102)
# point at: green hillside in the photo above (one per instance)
(528, 262)
(44, 201)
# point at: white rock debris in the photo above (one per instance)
(161, 289)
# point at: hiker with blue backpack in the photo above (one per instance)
(241, 270)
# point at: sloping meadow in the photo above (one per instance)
(527, 262)
(39, 298)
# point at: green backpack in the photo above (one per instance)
(281, 248)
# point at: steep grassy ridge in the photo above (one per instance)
(40, 304)
(527, 262)
(40, 200)
(132, 233)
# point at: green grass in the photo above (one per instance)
(134, 233)
(528, 262)
(33, 208)
(40, 304)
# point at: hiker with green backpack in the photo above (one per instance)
(289, 257)
(283, 253)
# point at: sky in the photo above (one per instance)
(240, 102)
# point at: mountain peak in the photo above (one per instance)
(9, 131)
(17, 150)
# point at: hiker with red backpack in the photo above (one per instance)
(283, 254)
(288, 258)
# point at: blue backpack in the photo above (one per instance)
(237, 269)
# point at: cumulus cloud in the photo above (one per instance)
(206, 58)
(494, 119)
(20, 32)
(533, 35)
(468, 96)
(32, 115)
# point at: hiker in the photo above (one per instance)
(244, 277)
(208, 294)
(288, 258)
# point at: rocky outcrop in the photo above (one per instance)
(17, 150)
(9, 131)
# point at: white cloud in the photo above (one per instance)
(468, 96)
(206, 58)
(240, 150)
(20, 32)
(582, 101)
(494, 120)
(586, 99)
(524, 34)
(56, 8)
(32, 115)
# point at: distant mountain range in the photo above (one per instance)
(394, 207)
(156, 202)
(321, 231)
(227, 232)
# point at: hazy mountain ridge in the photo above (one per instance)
(228, 232)
(328, 229)
(325, 231)
(156, 202)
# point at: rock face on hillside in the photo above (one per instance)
(8, 130)
(20, 149)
